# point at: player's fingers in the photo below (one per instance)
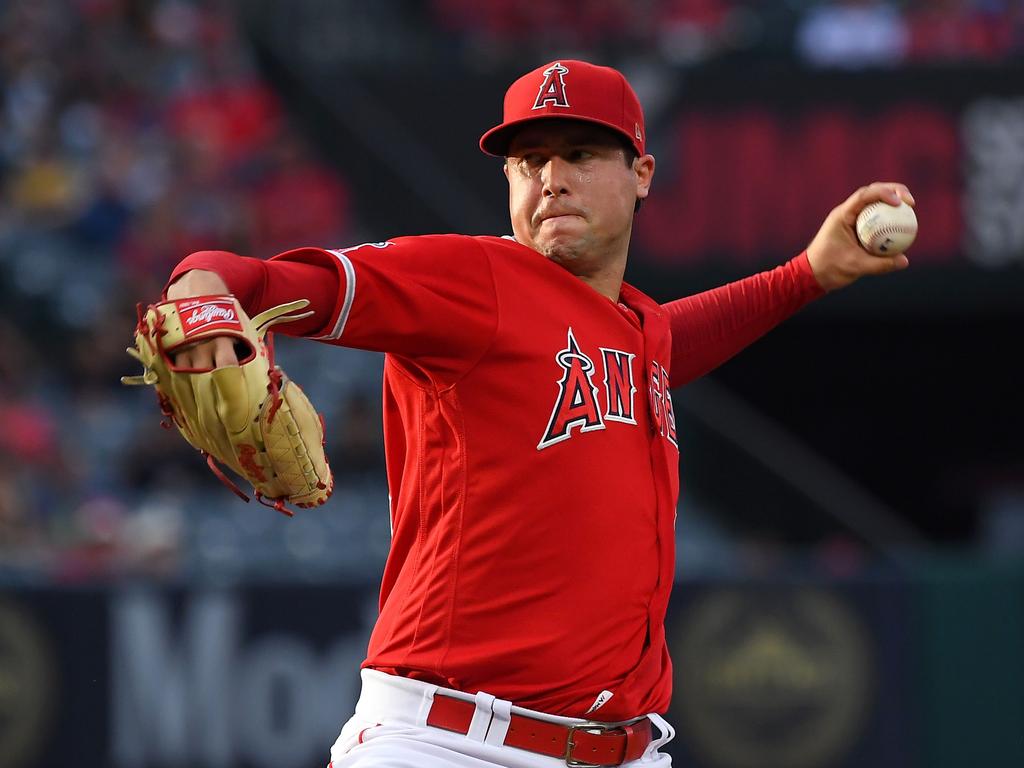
(224, 352)
(182, 359)
(869, 193)
(891, 192)
(202, 356)
(205, 355)
(881, 265)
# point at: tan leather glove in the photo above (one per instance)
(250, 417)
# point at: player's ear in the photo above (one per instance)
(504, 167)
(643, 167)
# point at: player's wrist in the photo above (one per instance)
(197, 282)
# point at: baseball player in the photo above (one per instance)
(532, 453)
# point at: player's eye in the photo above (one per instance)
(580, 155)
(530, 163)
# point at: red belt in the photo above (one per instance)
(583, 744)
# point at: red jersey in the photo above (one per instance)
(532, 454)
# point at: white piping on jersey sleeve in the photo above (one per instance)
(350, 294)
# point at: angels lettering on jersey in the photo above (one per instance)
(581, 403)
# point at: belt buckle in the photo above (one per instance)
(588, 727)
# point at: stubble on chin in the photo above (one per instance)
(562, 247)
(560, 253)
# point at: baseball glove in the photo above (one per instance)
(250, 417)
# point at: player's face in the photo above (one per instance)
(572, 193)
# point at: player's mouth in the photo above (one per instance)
(557, 215)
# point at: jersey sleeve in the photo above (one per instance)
(429, 299)
(709, 328)
(259, 284)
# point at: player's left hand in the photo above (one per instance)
(836, 256)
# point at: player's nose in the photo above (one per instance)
(556, 177)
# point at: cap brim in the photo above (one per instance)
(496, 141)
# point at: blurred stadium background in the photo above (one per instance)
(851, 534)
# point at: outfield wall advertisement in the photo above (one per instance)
(801, 675)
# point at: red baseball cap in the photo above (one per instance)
(569, 89)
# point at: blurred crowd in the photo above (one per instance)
(135, 131)
(132, 133)
(841, 33)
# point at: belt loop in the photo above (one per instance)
(423, 711)
(667, 734)
(481, 717)
(501, 712)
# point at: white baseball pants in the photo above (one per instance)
(389, 730)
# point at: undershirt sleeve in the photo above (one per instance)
(709, 328)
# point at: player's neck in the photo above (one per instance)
(608, 285)
(601, 269)
(609, 268)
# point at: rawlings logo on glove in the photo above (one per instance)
(250, 417)
(202, 315)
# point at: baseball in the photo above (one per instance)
(885, 230)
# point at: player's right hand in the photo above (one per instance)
(836, 256)
(217, 352)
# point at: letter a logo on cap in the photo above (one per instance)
(552, 90)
